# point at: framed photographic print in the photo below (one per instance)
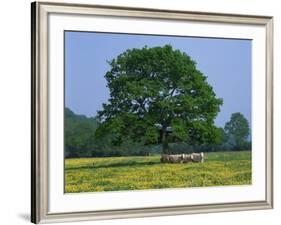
(147, 112)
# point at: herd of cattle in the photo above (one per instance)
(182, 158)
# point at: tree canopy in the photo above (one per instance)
(158, 94)
(237, 130)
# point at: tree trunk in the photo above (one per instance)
(164, 140)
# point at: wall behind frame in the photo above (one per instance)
(15, 110)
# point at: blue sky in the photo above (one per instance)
(226, 63)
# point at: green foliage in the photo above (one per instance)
(79, 133)
(237, 131)
(158, 86)
(81, 141)
(138, 173)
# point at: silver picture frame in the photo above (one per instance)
(40, 93)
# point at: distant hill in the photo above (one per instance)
(78, 134)
(80, 140)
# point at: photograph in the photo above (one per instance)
(144, 112)
(147, 112)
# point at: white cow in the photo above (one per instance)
(186, 158)
(198, 157)
(171, 158)
(182, 158)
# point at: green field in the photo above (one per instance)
(146, 172)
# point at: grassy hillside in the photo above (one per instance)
(136, 173)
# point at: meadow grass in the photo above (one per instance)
(146, 172)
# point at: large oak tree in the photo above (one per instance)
(158, 95)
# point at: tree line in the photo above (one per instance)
(81, 140)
